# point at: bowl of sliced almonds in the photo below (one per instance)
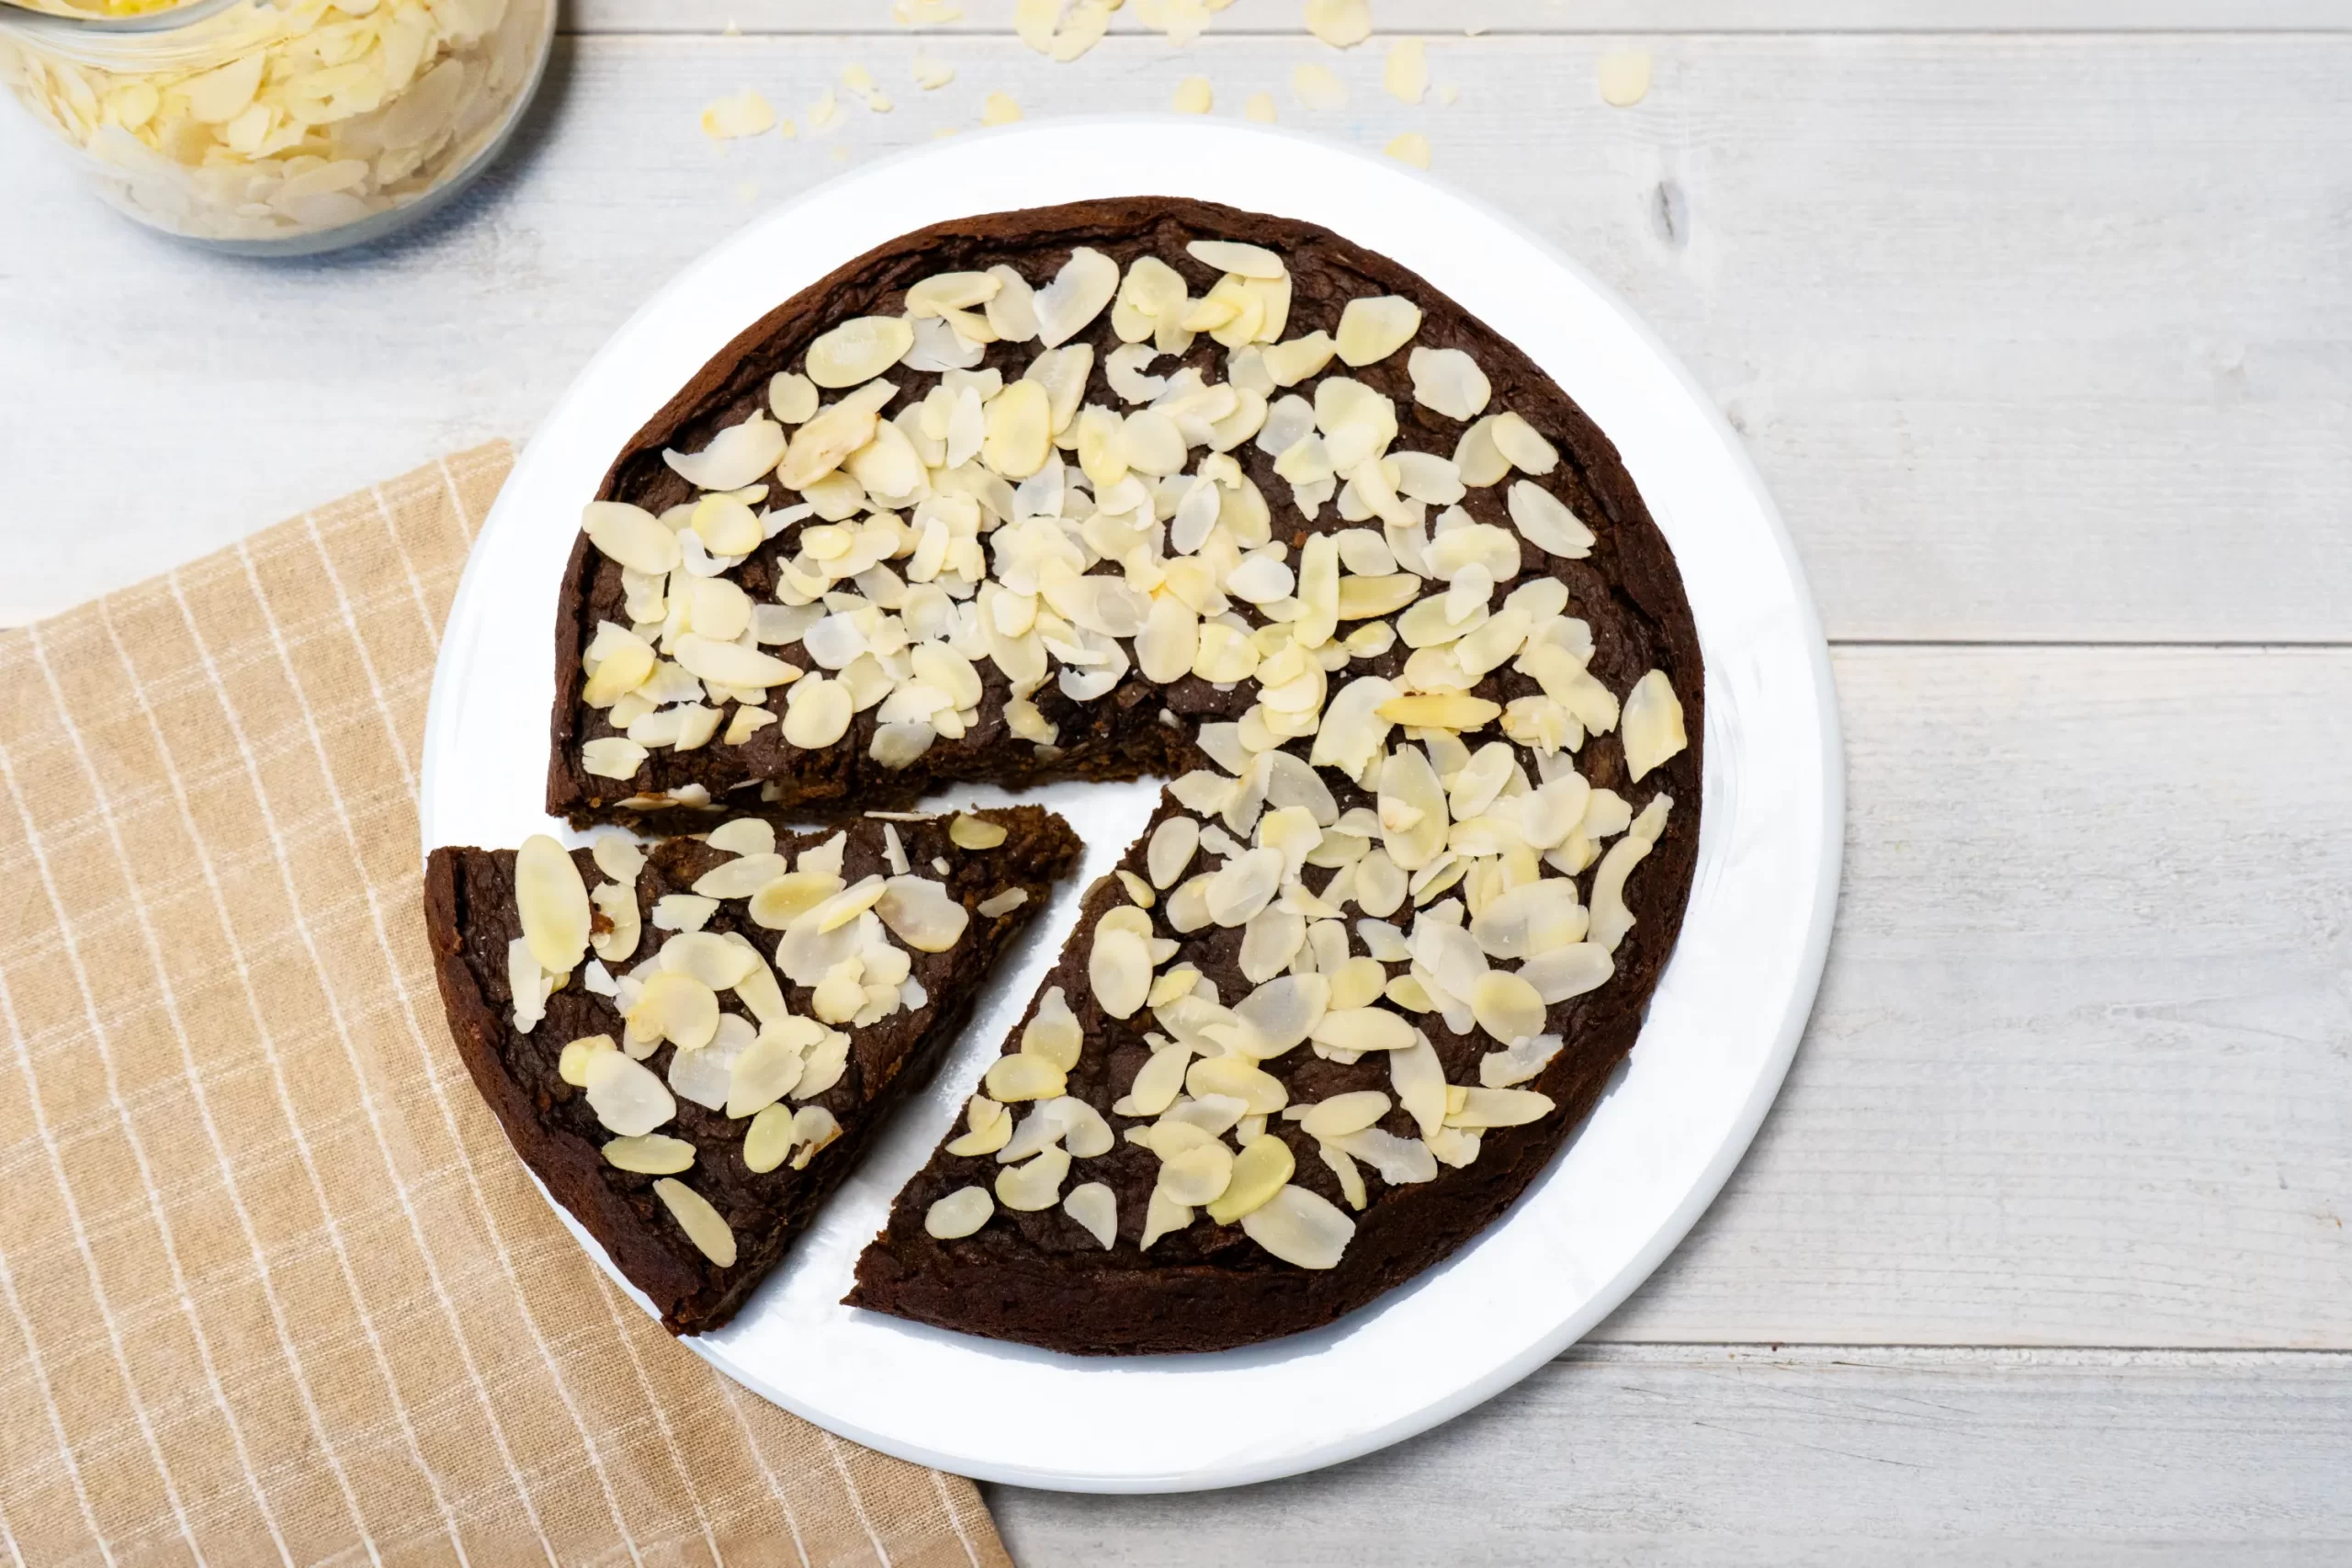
(276, 126)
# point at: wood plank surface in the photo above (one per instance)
(1642, 17)
(2031, 335)
(2081, 1068)
(1715, 1456)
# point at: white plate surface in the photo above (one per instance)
(1722, 1027)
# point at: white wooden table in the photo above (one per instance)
(2036, 315)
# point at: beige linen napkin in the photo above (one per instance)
(272, 1286)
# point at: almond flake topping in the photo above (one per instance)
(552, 903)
(959, 1214)
(1301, 1227)
(702, 1224)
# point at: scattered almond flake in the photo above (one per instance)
(839, 155)
(959, 1214)
(1301, 1227)
(649, 1153)
(702, 1224)
(1316, 87)
(921, 913)
(1180, 21)
(999, 108)
(552, 902)
(746, 192)
(1651, 725)
(1193, 95)
(1411, 147)
(1447, 92)
(932, 73)
(1624, 78)
(626, 1095)
(1342, 24)
(1407, 76)
(1260, 107)
(1094, 1206)
(1061, 29)
(1004, 903)
(745, 114)
(925, 13)
(976, 832)
(826, 113)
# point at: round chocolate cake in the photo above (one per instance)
(1154, 486)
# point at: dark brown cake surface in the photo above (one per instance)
(1423, 645)
(473, 922)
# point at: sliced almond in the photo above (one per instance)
(649, 1153)
(1569, 971)
(1163, 1215)
(1076, 295)
(1237, 257)
(1523, 445)
(1300, 1227)
(1035, 1185)
(1611, 918)
(677, 1008)
(737, 457)
(572, 1064)
(1021, 1076)
(1376, 326)
(1119, 970)
(959, 1214)
(1363, 1029)
(817, 713)
(1096, 1208)
(1507, 1007)
(1483, 1107)
(786, 899)
(702, 1224)
(976, 832)
(551, 902)
(1344, 1113)
(1259, 1091)
(1198, 1175)
(1651, 725)
(921, 913)
(626, 1095)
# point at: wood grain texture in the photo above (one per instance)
(1715, 1456)
(2081, 1068)
(1441, 18)
(2029, 335)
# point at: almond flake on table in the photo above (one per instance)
(1624, 78)
(1317, 88)
(925, 13)
(1061, 29)
(1411, 147)
(1193, 95)
(826, 112)
(1260, 107)
(1180, 21)
(1000, 108)
(860, 81)
(1448, 93)
(1342, 24)
(930, 74)
(745, 114)
(1407, 76)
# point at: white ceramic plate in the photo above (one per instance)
(1721, 1029)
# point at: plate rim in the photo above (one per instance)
(1811, 955)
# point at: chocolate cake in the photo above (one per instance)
(691, 1107)
(1153, 486)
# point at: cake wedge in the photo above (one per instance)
(691, 1043)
